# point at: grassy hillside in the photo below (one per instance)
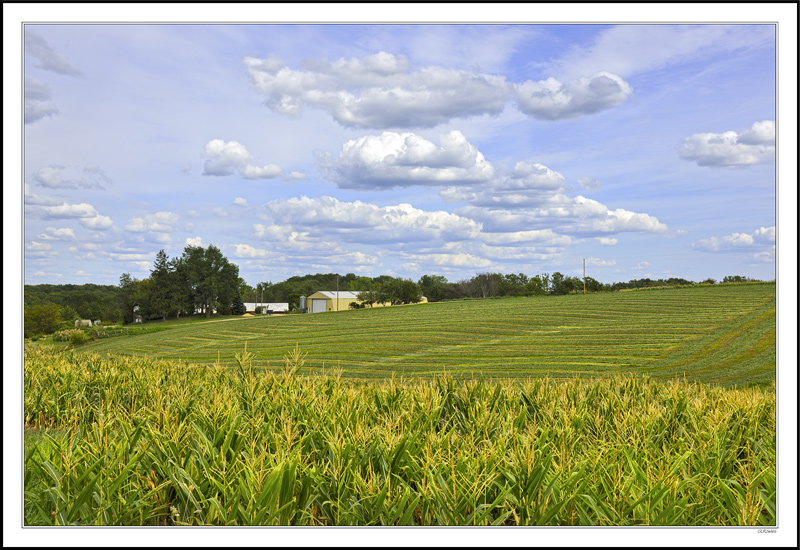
(723, 334)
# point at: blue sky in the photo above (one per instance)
(648, 150)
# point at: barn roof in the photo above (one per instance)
(342, 294)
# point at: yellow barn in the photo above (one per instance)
(337, 300)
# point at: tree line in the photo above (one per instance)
(371, 290)
(202, 281)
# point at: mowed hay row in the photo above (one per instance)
(135, 441)
(664, 333)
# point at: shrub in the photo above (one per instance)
(78, 337)
(74, 336)
(63, 335)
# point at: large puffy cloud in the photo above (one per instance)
(754, 146)
(381, 91)
(402, 159)
(367, 223)
(552, 100)
(570, 216)
(378, 91)
(226, 157)
(528, 197)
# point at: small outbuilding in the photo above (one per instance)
(331, 300)
(279, 308)
(338, 300)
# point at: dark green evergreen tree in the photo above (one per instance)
(238, 307)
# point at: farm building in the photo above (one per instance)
(337, 300)
(265, 307)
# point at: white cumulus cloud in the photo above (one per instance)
(160, 222)
(760, 238)
(367, 223)
(66, 210)
(97, 223)
(224, 158)
(528, 184)
(569, 216)
(402, 159)
(57, 234)
(552, 100)
(754, 146)
(377, 91)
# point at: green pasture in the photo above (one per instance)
(723, 334)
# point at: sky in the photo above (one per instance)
(645, 150)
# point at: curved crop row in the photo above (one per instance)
(718, 334)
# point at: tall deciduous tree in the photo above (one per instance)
(433, 287)
(41, 319)
(211, 277)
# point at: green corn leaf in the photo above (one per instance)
(84, 495)
(405, 519)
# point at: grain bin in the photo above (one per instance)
(303, 308)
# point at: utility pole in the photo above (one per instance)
(584, 275)
(337, 292)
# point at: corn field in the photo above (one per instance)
(135, 441)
